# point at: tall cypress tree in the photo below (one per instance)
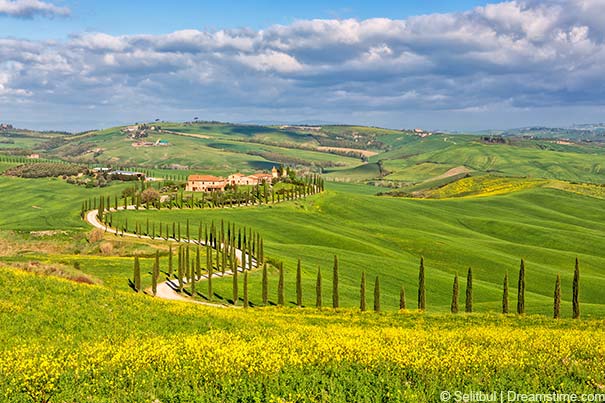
(170, 268)
(299, 284)
(557, 297)
(180, 269)
(575, 299)
(137, 274)
(193, 277)
(265, 289)
(198, 264)
(521, 289)
(245, 289)
(281, 298)
(455, 292)
(318, 289)
(469, 291)
(155, 273)
(421, 289)
(362, 292)
(235, 287)
(335, 299)
(210, 272)
(505, 294)
(377, 295)
(402, 298)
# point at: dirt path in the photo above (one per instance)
(168, 289)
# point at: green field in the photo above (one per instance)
(387, 237)
(74, 330)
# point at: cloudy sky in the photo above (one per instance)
(458, 65)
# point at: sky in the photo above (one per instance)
(440, 65)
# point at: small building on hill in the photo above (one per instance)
(205, 183)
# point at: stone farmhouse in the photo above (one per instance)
(205, 183)
(210, 183)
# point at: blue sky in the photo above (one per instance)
(449, 65)
(159, 17)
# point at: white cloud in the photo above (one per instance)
(523, 54)
(31, 8)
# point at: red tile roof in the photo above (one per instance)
(204, 178)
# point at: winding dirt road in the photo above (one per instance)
(168, 289)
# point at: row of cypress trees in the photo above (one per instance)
(520, 293)
(454, 308)
(260, 194)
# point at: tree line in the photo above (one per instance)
(150, 198)
(194, 272)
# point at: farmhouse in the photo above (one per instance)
(205, 183)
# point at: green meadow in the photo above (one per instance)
(387, 236)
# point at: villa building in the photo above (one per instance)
(205, 183)
(209, 183)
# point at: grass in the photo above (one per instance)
(65, 341)
(45, 204)
(220, 149)
(68, 341)
(387, 236)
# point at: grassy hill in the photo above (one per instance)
(474, 204)
(387, 236)
(219, 147)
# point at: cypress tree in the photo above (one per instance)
(198, 264)
(335, 299)
(187, 264)
(362, 292)
(377, 295)
(557, 302)
(245, 289)
(265, 285)
(299, 284)
(235, 288)
(421, 289)
(280, 288)
(193, 278)
(402, 298)
(318, 289)
(576, 291)
(137, 274)
(209, 266)
(505, 294)
(454, 306)
(180, 268)
(521, 289)
(170, 269)
(469, 291)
